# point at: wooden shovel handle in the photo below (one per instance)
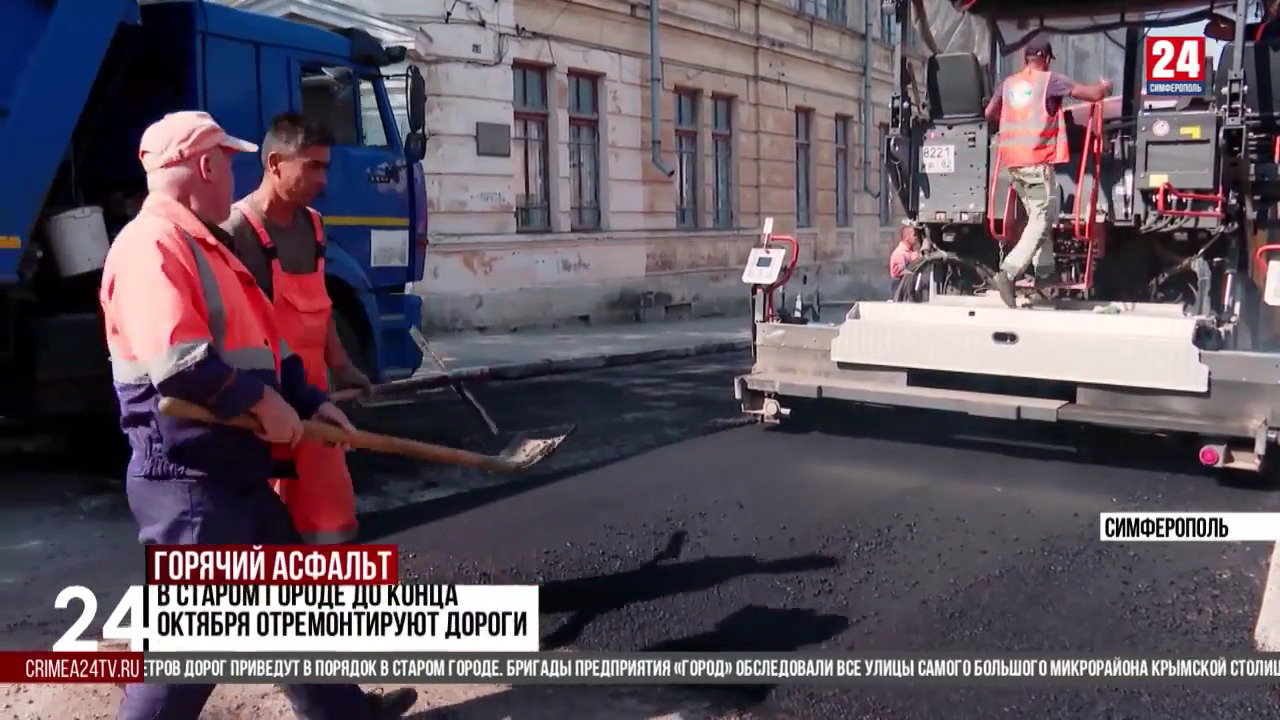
(345, 395)
(318, 430)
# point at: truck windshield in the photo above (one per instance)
(350, 107)
(398, 93)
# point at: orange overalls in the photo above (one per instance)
(322, 500)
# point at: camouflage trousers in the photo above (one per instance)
(1038, 193)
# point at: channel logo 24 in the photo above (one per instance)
(1175, 66)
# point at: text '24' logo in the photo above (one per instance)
(1175, 66)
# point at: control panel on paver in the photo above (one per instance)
(763, 266)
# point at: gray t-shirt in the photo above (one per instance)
(295, 243)
(1059, 87)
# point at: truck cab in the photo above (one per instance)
(73, 177)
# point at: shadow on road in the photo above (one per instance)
(590, 597)
(758, 629)
(1099, 446)
(751, 629)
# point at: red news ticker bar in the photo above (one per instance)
(60, 668)
(272, 565)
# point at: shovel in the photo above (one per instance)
(458, 386)
(522, 453)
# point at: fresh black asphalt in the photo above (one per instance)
(662, 526)
(666, 523)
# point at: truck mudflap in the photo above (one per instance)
(1236, 413)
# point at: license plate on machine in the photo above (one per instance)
(938, 159)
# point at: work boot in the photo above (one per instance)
(392, 705)
(1004, 285)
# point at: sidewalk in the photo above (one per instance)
(510, 356)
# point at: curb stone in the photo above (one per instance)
(557, 366)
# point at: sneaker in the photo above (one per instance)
(392, 705)
(1004, 286)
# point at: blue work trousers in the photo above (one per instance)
(210, 512)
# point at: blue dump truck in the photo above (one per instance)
(81, 79)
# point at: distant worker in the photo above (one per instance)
(1223, 28)
(1031, 140)
(184, 320)
(904, 253)
(281, 240)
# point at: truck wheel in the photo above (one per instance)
(357, 349)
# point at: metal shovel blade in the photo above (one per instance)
(524, 451)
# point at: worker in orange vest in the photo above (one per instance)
(281, 240)
(184, 320)
(1031, 140)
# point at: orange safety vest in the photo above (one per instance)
(1029, 135)
(322, 500)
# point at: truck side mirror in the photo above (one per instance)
(415, 146)
(417, 100)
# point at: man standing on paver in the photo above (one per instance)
(281, 240)
(1031, 141)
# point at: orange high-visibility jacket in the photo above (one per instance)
(185, 319)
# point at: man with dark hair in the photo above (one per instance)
(281, 240)
(1031, 140)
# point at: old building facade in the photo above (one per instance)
(548, 202)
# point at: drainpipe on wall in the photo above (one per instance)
(655, 93)
(868, 106)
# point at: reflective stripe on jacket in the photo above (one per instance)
(1029, 135)
(185, 319)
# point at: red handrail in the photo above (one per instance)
(1261, 252)
(1092, 144)
(1167, 192)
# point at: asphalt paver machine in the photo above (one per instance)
(1164, 314)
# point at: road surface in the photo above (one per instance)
(911, 539)
(664, 523)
